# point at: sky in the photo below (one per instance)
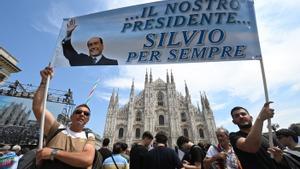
(29, 31)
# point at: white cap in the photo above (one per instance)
(16, 148)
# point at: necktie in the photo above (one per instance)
(94, 60)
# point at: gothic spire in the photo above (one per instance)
(167, 77)
(198, 108)
(187, 93)
(132, 89)
(146, 77)
(172, 78)
(202, 101)
(150, 75)
(117, 98)
(206, 101)
(112, 99)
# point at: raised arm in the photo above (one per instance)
(252, 142)
(71, 25)
(37, 104)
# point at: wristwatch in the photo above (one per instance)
(53, 154)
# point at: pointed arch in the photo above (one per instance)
(161, 120)
(160, 98)
(183, 117)
(138, 116)
(121, 133)
(185, 132)
(201, 133)
(137, 133)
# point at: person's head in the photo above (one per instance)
(183, 143)
(124, 147)
(161, 138)
(16, 149)
(287, 137)
(147, 138)
(295, 128)
(222, 136)
(80, 116)
(95, 45)
(4, 149)
(105, 142)
(241, 117)
(117, 148)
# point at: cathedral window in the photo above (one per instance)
(183, 117)
(160, 98)
(161, 120)
(138, 116)
(201, 133)
(137, 133)
(121, 132)
(185, 133)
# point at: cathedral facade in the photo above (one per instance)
(159, 107)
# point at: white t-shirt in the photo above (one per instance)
(231, 160)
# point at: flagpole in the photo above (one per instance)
(92, 91)
(42, 120)
(267, 100)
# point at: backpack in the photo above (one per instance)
(28, 160)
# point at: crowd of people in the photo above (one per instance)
(23, 135)
(74, 147)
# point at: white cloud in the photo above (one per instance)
(103, 95)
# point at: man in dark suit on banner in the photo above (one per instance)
(95, 46)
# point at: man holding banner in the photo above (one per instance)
(94, 44)
(251, 147)
(66, 145)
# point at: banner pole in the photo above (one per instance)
(267, 100)
(42, 125)
(41, 138)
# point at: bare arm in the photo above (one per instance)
(37, 104)
(196, 166)
(72, 158)
(252, 142)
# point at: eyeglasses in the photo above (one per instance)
(86, 113)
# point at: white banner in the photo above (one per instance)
(165, 32)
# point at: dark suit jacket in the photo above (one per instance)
(82, 59)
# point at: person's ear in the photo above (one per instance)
(233, 121)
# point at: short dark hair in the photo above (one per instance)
(295, 128)
(237, 108)
(82, 105)
(161, 137)
(124, 146)
(117, 148)
(287, 133)
(148, 135)
(105, 142)
(182, 140)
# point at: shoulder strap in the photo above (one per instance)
(54, 134)
(87, 131)
(290, 157)
(114, 161)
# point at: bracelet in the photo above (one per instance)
(53, 154)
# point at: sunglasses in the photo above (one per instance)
(86, 113)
